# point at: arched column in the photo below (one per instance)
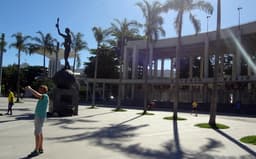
(206, 57)
(162, 68)
(134, 62)
(190, 67)
(155, 68)
(201, 68)
(238, 58)
(172, 68)
(125, 62)
(134, 69)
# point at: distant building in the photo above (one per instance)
(198, 52)
(237, 64)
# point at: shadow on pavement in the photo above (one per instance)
(212, 144)
(244, 147)
(178, 152)
(16, 109)
(28, 157)
(116, 138)
(130, 120)
(6, 121)
(89, 116)
(13, 118)
(117, 132)
(27, 116)
(63, 120)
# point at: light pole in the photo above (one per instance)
(1, 60)
(207, 26)
(239, 8)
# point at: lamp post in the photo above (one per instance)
(239, 8)
(1, 60)
(207, 26)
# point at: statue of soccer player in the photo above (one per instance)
(67, 43)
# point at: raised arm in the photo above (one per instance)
(63, 35)
(58, 28)
(34, 92)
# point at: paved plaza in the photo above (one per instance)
(103, 134)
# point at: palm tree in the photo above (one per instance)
(78, 44)
(153, 29)
(184, 6)
(3, 43)
(2, 50)
(21, 45)
(122, 31)
(212, 120)
(100, 36)
(44, 43)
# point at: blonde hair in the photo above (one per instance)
(45, 88)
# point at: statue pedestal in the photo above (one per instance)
(65, 97)
(65, 101)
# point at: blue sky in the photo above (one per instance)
(30, 16)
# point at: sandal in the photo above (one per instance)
(33, 154)
(41, 151)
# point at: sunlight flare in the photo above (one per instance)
(242, 51)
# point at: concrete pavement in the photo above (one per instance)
(103, 134)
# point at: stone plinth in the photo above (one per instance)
(65, 97)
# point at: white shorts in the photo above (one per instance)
(39, 122)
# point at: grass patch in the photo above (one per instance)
(18, 102)
(147, 113)
(92, 107)
(171, 118)
(217, 126)
(119, 110)
(249, 139)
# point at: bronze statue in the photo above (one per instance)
(67, 43)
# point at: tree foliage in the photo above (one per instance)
(28, 76)
(44, 43)
(22, 45)
(107, 63)
(78, 44)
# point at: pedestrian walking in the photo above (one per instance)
(238, 106)
(10, 102)
(194, 107)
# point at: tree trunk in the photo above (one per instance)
(57, 56)
(177, 78)
(74, 62)
(44, 63)
(145, 74)
(145, 85)
(213, 108)
(119, 99)
(214, 99)
(95, 77)
(177, 87)
(18, 79)
(1, 61)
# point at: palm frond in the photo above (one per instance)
(196, 23)
(204, 6)
(177, 22)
